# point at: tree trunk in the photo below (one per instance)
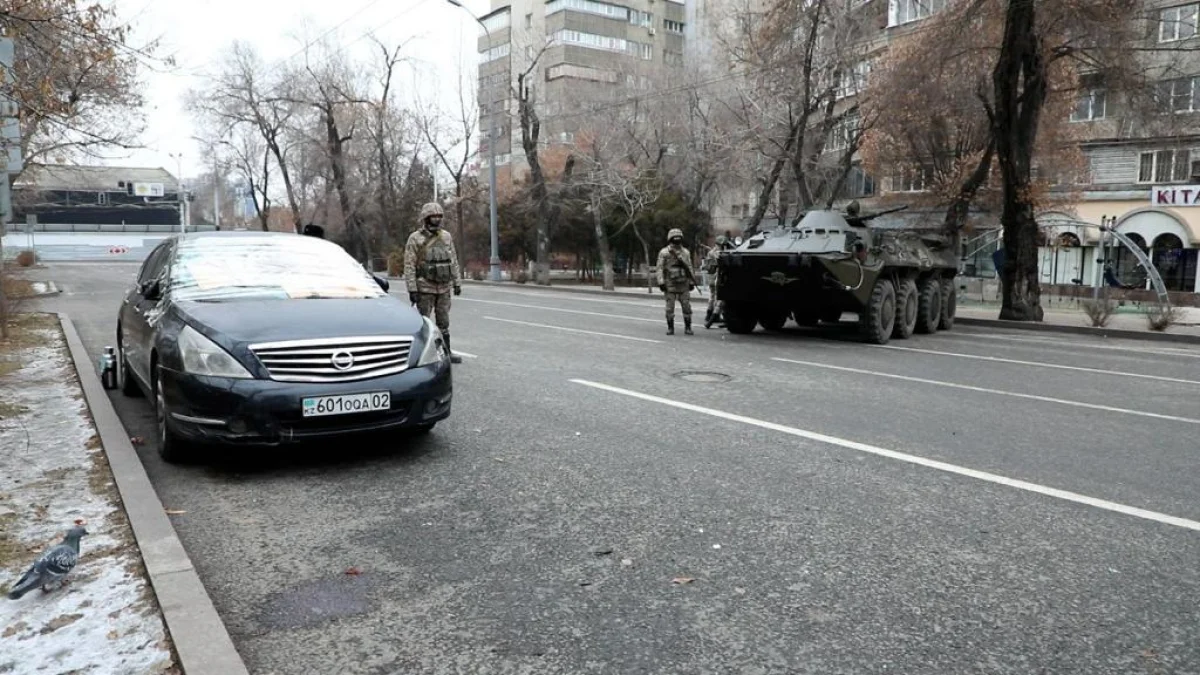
(293, 203)
(1019, 81)
(637, 232)
(764, 194)
(458, 213)
(602, 246)
(337, 167)
(531, 127)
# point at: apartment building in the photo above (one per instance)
(579, 53)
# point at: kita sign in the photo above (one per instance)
(1176, 195)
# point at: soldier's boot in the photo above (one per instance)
(454, 358)
(687, 325)
(708, 318)
(670, 326)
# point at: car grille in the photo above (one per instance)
(334, 360)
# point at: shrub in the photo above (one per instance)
(1099, 311)
(26, 258)
(522, 277)
(1161, 317)
(395, 263)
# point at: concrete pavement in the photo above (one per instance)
(972, 501)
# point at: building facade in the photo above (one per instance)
(67, 198)
(578, 54)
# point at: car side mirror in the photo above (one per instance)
(383, 283)
(152, 290)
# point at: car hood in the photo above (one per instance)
(251, 321)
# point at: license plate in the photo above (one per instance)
(348, 404)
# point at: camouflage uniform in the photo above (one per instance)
(715, 307)
(431, 271)
(676, 279)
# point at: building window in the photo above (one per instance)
(591, 40)
(672, 58)
(854, 79)
(528, 52)
(1164, 166)
(639, 18)
(102, 198)
(673, 26)
(497, 52)
(1177, 23)
(912, 179)
(858, 184)
(844, 134)
(1177, 96)
(581, 73)
(528, 21)
(1091, 105)
(496, 22)
(906, 11)
(589, 6)
(642, 50)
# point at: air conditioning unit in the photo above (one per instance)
(652, 31)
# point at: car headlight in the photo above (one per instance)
(433, 352)
(202, 356)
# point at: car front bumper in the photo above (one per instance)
(225, 411)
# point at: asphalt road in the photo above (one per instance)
(969, 502)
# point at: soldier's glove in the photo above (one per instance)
(458, 290)
(413, 296)
(662, 287)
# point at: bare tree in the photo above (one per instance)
(451, 136)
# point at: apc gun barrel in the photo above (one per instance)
(884, 212)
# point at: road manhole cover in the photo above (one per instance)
(702, 376)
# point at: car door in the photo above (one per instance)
(139, 310)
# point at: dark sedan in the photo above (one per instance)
(263, 339)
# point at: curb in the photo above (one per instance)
(200, 638)
(963, 320)
(1080, 330)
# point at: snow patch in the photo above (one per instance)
(39, 287)
(104, 620)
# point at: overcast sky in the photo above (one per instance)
(441, 37)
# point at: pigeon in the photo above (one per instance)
(53, 565)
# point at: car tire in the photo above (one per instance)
(126, 382)
(172, 448)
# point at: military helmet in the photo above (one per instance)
(431, 209)
(675, 232)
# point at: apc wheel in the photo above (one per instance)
(929, 305)
(906, 310)
(949, 304)
(772, 320)
(879, 317)
(739, 318)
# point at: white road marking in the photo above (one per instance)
(1132, 351)
(997, 392)
(580, 297)
(572, 330)
(465, 355)
(910, 459)
(1039, 364)
(558, 309)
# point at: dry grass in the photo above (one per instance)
(26, 258)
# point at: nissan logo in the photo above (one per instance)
(342, 360)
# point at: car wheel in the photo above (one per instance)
(171, 448)
(125, 379)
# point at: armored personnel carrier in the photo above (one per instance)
(897, 280)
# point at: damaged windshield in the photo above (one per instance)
(269, 267)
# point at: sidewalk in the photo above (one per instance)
(1127, 323)
(106, 620)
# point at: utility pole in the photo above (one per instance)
(179, 195)
(216, 195)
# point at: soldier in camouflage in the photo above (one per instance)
(676, 280)
(431, 270)
(713, 315)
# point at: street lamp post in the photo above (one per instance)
(178, 157)
(494, 230)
